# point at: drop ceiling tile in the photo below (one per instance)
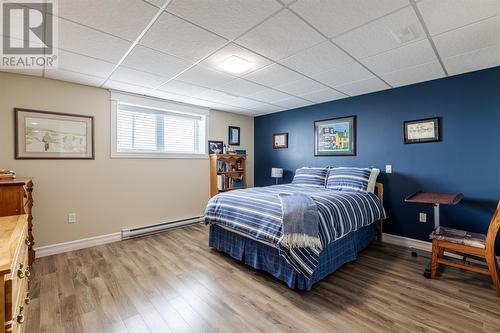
(157, 3)
(363, 87)
(151, 61)
(174, 36)
(249, 103)
(132, 88)
(281, 36)
(269, 95)
(218, 97)
(69, 76)
(273, 76)
(79, 39)
(138, 78)
(241, 87)
(323, 95)
(165, 95)
(406, 56)
(292, 103)
(469, 38)
(474, 60)
(182, 88)
(317, 59)
(333, 17)
(301, 86)
(267, 109)
(108, 16)
(201, 76)
(381, 35)
(444, 15)
(411, 75)
(82, 64)
(226, 18)
(232, 49)
(343, 74)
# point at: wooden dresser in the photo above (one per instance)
(15, 199)
(14, 273)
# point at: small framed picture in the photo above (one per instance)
(422, 130)
(215, 147)
(335, 137)
(234, 136)
(280, 140)
(53, 135)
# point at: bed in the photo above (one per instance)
(247, 224)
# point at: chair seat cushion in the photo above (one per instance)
(459, 237)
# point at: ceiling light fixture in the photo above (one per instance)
(235, 64)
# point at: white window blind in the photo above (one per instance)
(144, 130)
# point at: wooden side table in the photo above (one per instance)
(435, 199)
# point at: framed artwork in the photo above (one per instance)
(422, 130)
(280, 140)
(335, 137)
(215, 147)
(234, 136)
(52, 135)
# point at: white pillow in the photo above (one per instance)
(372, 180)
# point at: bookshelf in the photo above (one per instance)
(227, 172)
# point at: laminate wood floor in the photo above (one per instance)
(173, 282)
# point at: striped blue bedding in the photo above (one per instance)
(257, 213)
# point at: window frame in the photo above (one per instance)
(157, 105)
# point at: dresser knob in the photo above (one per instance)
(20, 316)
(27, 273)
(20, 272)
(27, 241)
(27, 300)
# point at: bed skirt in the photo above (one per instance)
(266, 258)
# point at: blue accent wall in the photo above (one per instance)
(467, 159)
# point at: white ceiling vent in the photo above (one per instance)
(406, 34)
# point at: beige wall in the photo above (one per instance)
(106, 194)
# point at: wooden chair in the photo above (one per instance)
(476, 246)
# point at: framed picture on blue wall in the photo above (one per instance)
(422, 130)
(335, 137)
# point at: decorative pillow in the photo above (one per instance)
(311, 177)
(352, 179)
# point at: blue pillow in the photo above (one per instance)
(311, 177)
(349, 179)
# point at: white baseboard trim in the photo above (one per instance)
(407, 242)
(413, 244)
(48, 250)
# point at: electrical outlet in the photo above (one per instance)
(72, 218)
(388, 168)
(422, 217)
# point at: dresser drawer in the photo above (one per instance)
(16, 287)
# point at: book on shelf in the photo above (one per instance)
(225, 182)
(223, 166)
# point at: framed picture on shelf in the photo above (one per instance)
(335, 137)
(280, 140)
(422, 130)
(215, 147)
(234, 136)
(53, 135)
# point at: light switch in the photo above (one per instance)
(72, 218)
(422, 217)
(388, 168)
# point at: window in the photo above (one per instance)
(148, 131)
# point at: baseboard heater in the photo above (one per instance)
(155, 228)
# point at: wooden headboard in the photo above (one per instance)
(379, 191)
